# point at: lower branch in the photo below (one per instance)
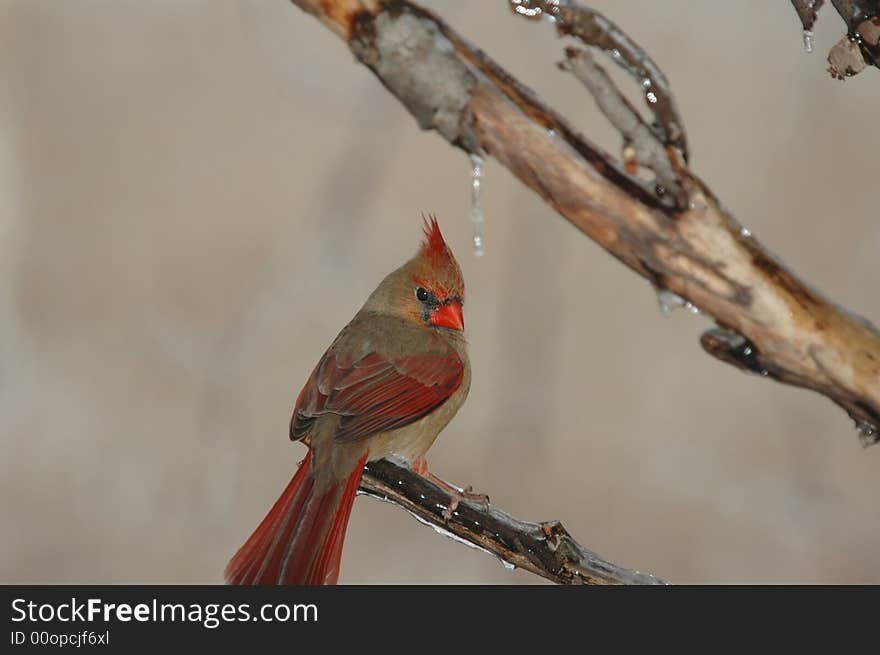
(545, 549)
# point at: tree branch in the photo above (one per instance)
(859, 47)
(808, 12)
(769, 322)
(594, 29)
(545, 549)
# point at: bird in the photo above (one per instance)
(389, 383)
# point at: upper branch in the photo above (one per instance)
(770, 322)
(859, 47)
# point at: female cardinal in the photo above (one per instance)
(386, 387)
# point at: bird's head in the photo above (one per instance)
(428, 289)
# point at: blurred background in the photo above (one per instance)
(196, 196)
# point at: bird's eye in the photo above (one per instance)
(421, 294)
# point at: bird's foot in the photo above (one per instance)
(468, 495)
(420, 466)
(456, 494)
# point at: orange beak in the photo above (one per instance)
(449, 315)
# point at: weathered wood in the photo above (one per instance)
(694, 249)
(545, 549)
(859, 47)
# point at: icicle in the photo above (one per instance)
(476, 206)
(868, 433)
(808, 41)
(649, 95)
(669, 302)
(508, 565)
(524, 8)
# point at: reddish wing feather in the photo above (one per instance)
(374, 395)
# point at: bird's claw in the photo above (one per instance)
(456, 495)
(467, 494)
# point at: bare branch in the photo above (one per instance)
(594, 29)
(647, 148)
(545, 549)
(859, 47)
(699, 252)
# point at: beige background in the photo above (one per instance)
(196, 196)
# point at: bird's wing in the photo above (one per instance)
(373, 394)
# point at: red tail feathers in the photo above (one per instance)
(300, 540)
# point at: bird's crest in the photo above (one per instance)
(434, 248)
